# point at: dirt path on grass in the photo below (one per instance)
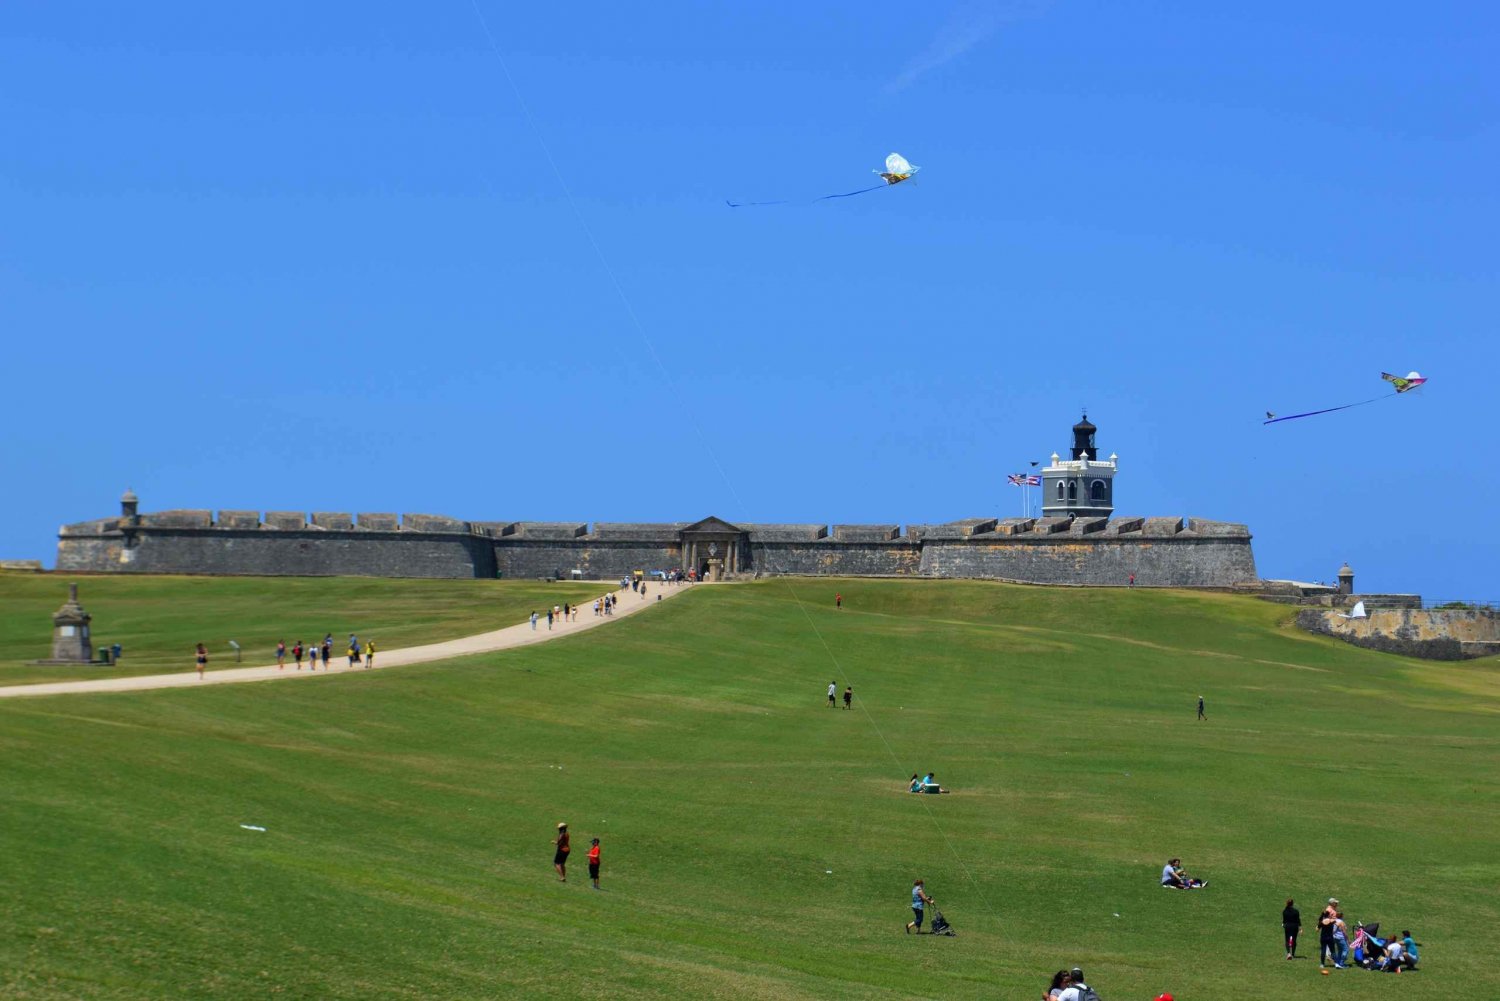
(522, 634)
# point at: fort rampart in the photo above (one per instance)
(1158, 551)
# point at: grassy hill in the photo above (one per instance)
(157, 620)
(757, 844)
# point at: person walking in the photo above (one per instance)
(594, 863)
(281, 655)
(848, 696)
(1132, 580)
(1291, 924)
(1201, 713)
(533, 620)
(297, 652)
(327, 650)
(369, 654)
(560, 856)
(567, 611)
(838, 601)
(919, 902)
(201, 656)
(833, 691)
(312, 657)
(353, 654)
(549, 620)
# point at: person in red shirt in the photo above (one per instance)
(594, 862)
(838, 601)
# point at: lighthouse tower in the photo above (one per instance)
(1083, 486)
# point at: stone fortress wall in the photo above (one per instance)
(1072, 550)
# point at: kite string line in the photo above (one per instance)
(1332, 410)
(697, 428)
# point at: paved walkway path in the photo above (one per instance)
(500, 639)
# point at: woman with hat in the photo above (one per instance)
(560, 857)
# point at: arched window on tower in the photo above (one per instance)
(1072, 490)
(1060, 493)
(1097, 490)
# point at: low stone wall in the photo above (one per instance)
(1433, 634)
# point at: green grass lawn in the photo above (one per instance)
(159, 619)
(756, 844)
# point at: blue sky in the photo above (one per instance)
(313, 256)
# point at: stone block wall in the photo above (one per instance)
(284, 553)
(1099, 560)
(1161, 552)
(1433, 634)
(594, 558)
(832, 558)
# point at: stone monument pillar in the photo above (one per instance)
(70, 632)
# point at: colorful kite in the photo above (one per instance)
(1403, 383)
(896, 170)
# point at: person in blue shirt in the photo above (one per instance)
(1411, 946)
(919, 902)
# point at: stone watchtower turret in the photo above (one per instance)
(1082, 486)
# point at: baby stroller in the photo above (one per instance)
(1371, 952)
(940, 925)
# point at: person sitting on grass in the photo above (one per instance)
(1173, 876)
(916, 783)
(1058, 985)
(929, 784)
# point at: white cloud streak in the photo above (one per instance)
(970, 23)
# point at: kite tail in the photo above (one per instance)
(850, 194)
(1330, 410)
(846, 194)
(751, 205)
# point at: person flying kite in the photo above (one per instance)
(1403, 383)
(897, 169)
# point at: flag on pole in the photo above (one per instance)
(1017, 479)
(1033, 481)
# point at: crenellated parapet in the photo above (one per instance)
(1074, 550)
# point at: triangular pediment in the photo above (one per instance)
(717, 526)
